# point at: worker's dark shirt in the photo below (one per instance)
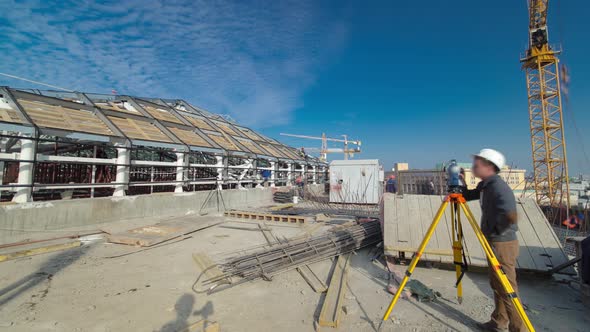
(497, 202)
(391, 186)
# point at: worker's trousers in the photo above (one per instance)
(505, 314)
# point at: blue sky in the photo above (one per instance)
(420, 82)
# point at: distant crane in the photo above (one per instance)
(550, 173)
(324, 150)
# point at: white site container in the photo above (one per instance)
(356, 181)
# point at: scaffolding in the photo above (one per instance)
(56, 145)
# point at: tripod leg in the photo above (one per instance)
(497, 268)
(415, 259)
(457, 250)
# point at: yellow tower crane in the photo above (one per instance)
(541, 64)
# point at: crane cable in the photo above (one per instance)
(35, 82)
(566, 105)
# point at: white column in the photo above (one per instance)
(2, 149)
(25, 172)
(255, 172)
(303, 170)
(273, 173)
(315, 174)
(180, 168)
(219, 166)
(289, 174)
(243, 172)
(123, 162)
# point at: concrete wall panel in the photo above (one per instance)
(29, 220)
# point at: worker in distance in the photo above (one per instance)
(499, 225)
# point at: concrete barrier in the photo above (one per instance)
(27, 220)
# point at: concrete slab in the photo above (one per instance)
(150, 290)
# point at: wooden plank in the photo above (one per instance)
(38, 251)
(281, 206)
(202, 326)
(209, 269)
(154, 234)
(312, 279)
(266, 216)
(332, 306)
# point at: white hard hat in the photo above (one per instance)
(492, 156)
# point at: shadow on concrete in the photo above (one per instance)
(44, 274)
(365, 313)
(445, 309)
(184, 310)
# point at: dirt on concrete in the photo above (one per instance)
(109, 287)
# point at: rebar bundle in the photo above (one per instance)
(267, 261)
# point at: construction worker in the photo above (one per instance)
(391, 185)
(499, 225)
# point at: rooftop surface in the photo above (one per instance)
(109, 287)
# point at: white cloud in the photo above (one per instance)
(251, 61)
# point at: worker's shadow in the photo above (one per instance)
(44, 274)
(184, 310)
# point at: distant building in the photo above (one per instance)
(580, 192)
(422, 181)
(433, 181)
(515, 178)
(401, 166)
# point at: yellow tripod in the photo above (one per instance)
(457, 202)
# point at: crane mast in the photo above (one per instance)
(541, 65)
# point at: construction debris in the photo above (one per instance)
(305, 271)
(283, 196)
(422, 292)
(265, 262)
(41, 250)
(333, 302)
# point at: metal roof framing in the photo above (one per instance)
(241, 141)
